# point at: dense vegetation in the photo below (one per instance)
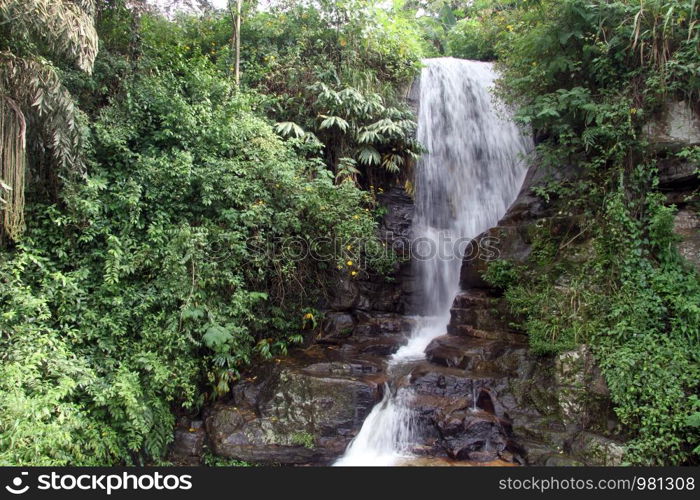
(587, 75)
(145, 280)
(153, 253)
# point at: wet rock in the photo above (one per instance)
(473, 354)
(502, 242)
(448, 462)
(594, 449)
(473, 435)
(676, 173)
(320, 405)
(240, 434)
(511, 239)
(560, 460)
(383, 324)
(188, 443)
(478, 310)
(337, 325)
(344, 295)
(453, 352)
(395, 228)
(303, 409)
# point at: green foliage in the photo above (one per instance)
(37, 114)
(304, 439)
(473, 39)
(170, 266)
(587, 76)
(297, 55)
(361, 128)
(501, 274)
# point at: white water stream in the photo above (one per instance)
(464, 184)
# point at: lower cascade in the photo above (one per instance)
(466, 181)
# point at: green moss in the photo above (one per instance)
(303, 438)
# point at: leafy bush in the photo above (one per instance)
(164, 271)
(473, 38)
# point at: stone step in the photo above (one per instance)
(473, 298)
(484, 319)
(468, 353)
(480, 310)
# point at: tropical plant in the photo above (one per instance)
(32, 99)
(359, 127)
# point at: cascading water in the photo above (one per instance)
(464, 184)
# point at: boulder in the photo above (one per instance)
(679, 125)
(581, 390)
(304, 409)
(594, 449)
(687, 225)
(337, 325)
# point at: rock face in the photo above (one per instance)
(305, 408)
(188, 442)
(687, 226)
(555, 410)
(680, 124)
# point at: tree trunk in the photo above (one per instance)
(235, 14)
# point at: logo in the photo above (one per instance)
(17, 483)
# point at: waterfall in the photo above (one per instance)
(466, 181)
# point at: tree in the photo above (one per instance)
(33, 102)
(234, 8)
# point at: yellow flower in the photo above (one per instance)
(633, 111)
(349, 247)
(355, 216)
(354, 273)
(349, 263)
(308, 316)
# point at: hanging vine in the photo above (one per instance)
(12, 162)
